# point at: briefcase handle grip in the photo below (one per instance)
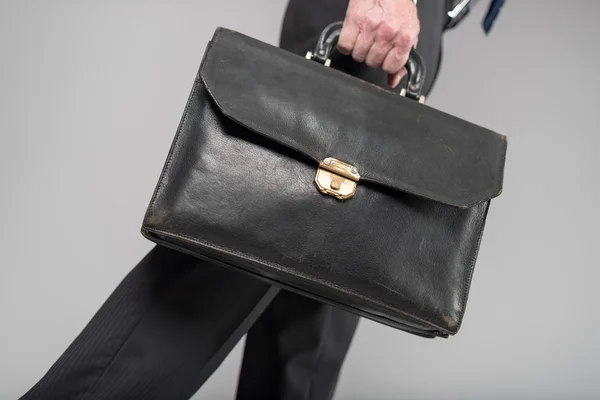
(415, 65)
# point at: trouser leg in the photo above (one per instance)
(297, 347)
(295, 351)
(172, 320)
(161, 333)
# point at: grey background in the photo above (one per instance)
(90, 97)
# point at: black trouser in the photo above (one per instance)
(173, 319)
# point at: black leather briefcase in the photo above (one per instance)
(329, 186)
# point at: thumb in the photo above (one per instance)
(394, 79)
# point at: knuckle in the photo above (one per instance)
(417, 28)
(371, 63)
(391, 64)
(397, 56)
(354, 19)
(386, 32)
(404, 40)
(387, 68)
(399, 59)
(370, 22)
(344, 46)
(358, 57)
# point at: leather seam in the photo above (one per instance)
(374, 178)
(172, 150)
(468, 202)
(423, 331)
(503, 163)
(465, 292)
(288, 144)
(199, 84)
(289, 271)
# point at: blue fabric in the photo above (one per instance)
(492, 14)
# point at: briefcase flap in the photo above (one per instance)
(320, 112)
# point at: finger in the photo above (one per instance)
(394, 79)
(382, 45)
(368, 25)
(377, 54)
(394, 61)
(348, 36)
(403, 43)
(362, 46)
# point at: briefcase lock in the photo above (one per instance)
(336, 178)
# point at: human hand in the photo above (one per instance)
(380, 33)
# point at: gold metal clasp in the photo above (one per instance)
(336, 178)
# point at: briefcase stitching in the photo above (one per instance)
(291, 272)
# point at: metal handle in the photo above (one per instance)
(415, 66)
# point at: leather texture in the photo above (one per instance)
(238, 186)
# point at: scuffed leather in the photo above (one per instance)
(238, 187)
(322, 112)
